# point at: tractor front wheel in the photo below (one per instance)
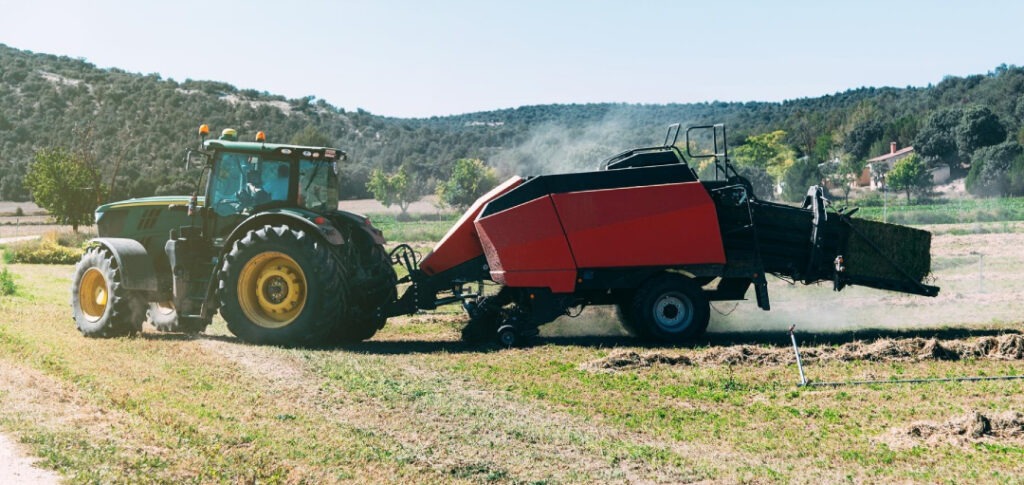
(281, 286)
(100, 305)
(670, 308)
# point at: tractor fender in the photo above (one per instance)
(136, 265)
(327, 231)
(362, 223)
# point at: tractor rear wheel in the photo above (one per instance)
(363, 321)
(281, 286)
(670, 308)
(100, 305)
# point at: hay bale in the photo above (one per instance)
(909, 249)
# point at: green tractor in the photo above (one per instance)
(265, 245)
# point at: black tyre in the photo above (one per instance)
(100, 305)
(670, 308)
(484, 319)
(163, 317)
(281, 286)
(363, 321)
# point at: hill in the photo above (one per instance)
(138, 125)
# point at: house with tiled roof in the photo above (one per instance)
(877, 167)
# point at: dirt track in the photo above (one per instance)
(16, 467)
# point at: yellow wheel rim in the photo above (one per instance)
(272, 289)
(92, 294)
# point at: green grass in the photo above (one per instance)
(950, 211)
(421, 227)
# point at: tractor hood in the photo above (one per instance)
(142, 217)
(157, 201)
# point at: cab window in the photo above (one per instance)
(318, 185)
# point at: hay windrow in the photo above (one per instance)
(633, 360)
(1002, 347)
(967, 429)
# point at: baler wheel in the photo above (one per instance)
(670, 308)
(507, 336)
(281, 286)
(484, 320)
(164, 317)
(100, 305)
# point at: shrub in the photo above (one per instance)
(470, 179)
(42, 252)
(993, 169)
(7, 285)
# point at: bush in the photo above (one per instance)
(870, 199)
(470, 179)
(42, 251)
(7, 285)
(994, 170)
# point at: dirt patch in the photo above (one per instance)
(1002, 347)
(17, 467)
(970, 428)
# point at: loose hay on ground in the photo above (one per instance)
(970, 428)
(1002, 347)
(633, 360)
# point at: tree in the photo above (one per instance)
(470, 179)
(66, 185)
(310, 136)
(1015, 177)
(859, 140)
(910, 175)
(849, 171)
(766, 151)
(801, 175)
(936, 142)
(994, 169)
(978, 128)
(395, 189)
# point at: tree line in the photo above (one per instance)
(136, 127)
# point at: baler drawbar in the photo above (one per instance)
(643, 233)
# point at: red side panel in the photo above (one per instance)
(655, 225)
(526, 247)
(461, 243)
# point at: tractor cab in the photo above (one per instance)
(247, 178)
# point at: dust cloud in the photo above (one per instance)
(552, 148)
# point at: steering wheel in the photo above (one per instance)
(226, 207)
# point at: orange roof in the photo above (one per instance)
(887, 156)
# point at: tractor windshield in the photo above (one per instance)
(242, 181)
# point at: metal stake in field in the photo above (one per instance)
(805, 383)
(796, 350)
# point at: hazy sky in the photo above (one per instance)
(425, 58)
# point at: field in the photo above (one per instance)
(586, 404)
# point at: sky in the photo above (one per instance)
(433, 58)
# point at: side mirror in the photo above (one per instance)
(194, 157)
